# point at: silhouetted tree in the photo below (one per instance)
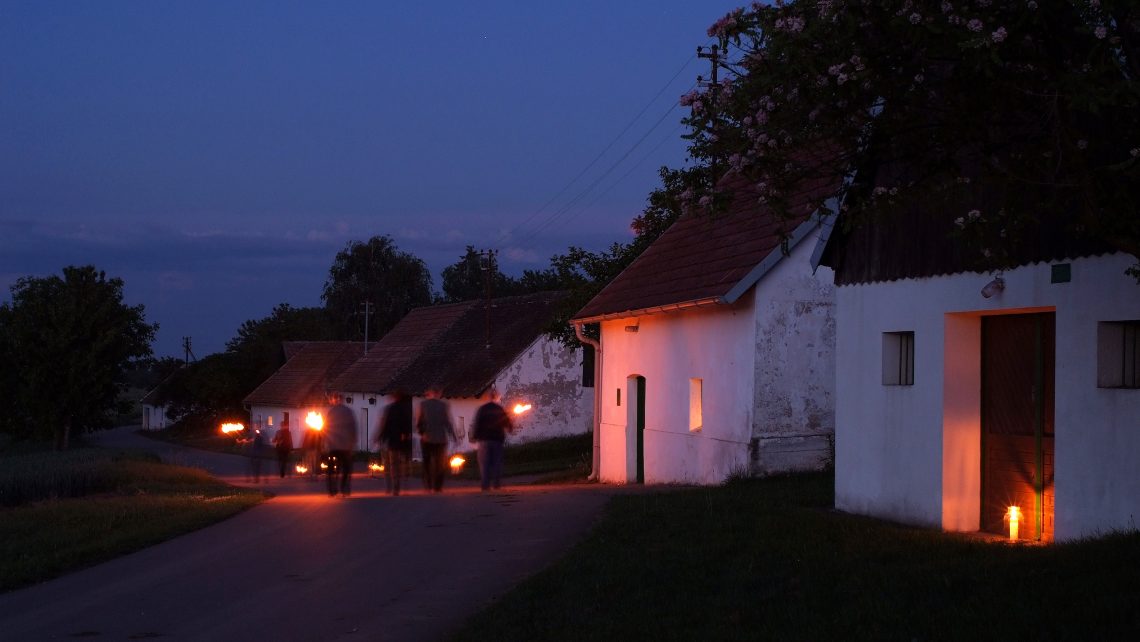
(378, 272)
(68, 342)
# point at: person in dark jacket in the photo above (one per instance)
(491, 425)
(283, 443)
(396, 438)
(340, 431)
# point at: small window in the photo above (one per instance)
(348, 400)
(284, 417)
(1118, 354)
(898, 358)
(587, 365)
(696, 413)
(619, 396)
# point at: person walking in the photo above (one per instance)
(283, 443)
(340, 431)
(396, 438)
(491, 425)
(436, 432)
(256, 449)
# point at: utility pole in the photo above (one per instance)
(713, 56)
(366, 308)
(487, 264)
(188, 351)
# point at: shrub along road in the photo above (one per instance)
(304, 566)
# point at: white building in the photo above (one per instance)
(961, 394)
(462, 350)
(300, 386)
(716, 352)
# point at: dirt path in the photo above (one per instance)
(304, 566)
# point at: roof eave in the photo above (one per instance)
(802, 231)
(656, 309)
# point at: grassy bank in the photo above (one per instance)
(65, 511)
(769, 559)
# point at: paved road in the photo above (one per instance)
(303, 566)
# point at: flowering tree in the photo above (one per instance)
(1014, 113)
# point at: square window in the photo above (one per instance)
(696, 413)
(1118, 354)
(898, 358)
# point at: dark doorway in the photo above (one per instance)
(639, 427)
(1017, 422)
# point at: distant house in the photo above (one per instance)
(717, 350)
(464, 349)
(155, 405)
(299, 386)
(962, 393)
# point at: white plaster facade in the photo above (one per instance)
(154, 417)
(546, 375)
(765, 366)
(912, 453)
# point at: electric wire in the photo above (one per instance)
(517, 229)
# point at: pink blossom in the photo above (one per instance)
(690, 98)
(974, 25)
(705, 200)
(915, 18)
(1100, 32)
(841, 78)
(999, 34)
(947, 7)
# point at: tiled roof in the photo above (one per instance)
(305, 376)
(705, 259)
(396, 350)
(446, 347)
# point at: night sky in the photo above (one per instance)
(217, 155)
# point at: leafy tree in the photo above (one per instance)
(465, 280)
(68, 343)
(1019, 114)
(378, 272)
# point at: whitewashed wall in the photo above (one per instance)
(548, 376)
(794, 419)
(715, 344)
(910, 453)
(154, 417)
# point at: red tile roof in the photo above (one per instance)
(304, 378)
(445, 347)
(705, 259)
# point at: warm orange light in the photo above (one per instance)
(229, 428)
(520, 408)
(314, 420)
(457, 462)
(324, 466)
(1014, 517)
(376, 468)
(302, 469)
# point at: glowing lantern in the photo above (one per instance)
(324, 466)
(314, 420)
(1014, 517)
(376, 468)
(232, 428)
(520, 408)
(302, 469)
(457, 462)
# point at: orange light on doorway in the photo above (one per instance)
(1013, 514)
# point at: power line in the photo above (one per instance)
(503, 235)
(574, 201)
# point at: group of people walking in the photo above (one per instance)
(436, 430)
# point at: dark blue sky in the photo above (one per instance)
(217, 155)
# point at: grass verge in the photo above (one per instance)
(769, 559)
(115, 504)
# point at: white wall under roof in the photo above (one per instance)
(910, 453)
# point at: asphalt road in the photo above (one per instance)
(304, 566)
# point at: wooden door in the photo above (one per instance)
(1017, 422)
